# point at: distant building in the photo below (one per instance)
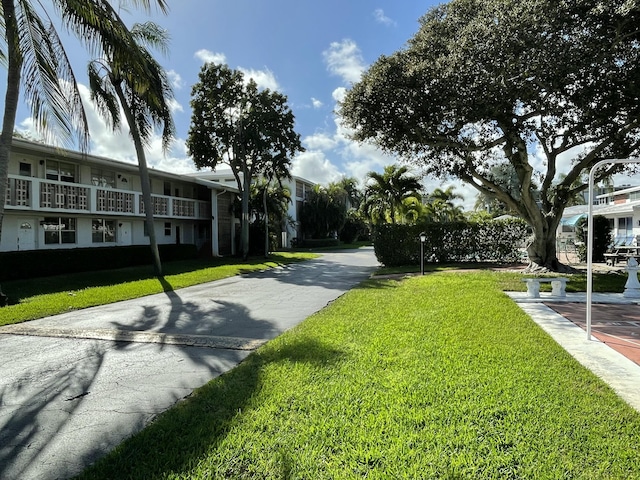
(299, 188)
(59, 198)
(621, 207)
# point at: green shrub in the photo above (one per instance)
(484, 241)
(43, 263)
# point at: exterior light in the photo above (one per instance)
(423, 238)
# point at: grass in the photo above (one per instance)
(36, 298)
(436, 376)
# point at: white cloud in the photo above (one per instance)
(344, 60)
(264, 78)
(313, 165)
(316, 103)
(207, 56)
(380, 17)
(175, 79)
(320, 141)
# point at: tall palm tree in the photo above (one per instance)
(389, 190)
(113, 87)
(34, 56)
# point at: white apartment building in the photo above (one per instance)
(299, 188)
(59, 198)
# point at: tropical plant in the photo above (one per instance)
(386, 193)
(322, 213)
(233, 122)
(35, 58)
(486, 83)
(269, 204)
(440, 206)
(112, 87)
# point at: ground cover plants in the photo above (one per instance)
(435, 376)
(36, 298)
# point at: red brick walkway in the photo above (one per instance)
(616, 325)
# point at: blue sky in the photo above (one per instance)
(309, 50)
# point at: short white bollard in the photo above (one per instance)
(632, 287)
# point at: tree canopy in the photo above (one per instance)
(546, 86)
(235, 123)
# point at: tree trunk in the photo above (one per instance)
(11, 99)
(543, 254)
(266, 222)
(244, 233)
(144, 180)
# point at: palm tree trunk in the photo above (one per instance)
(11, 100)
(246, 190)
(144, 180)
(266, 221)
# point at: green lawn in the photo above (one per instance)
(435, 376)
(40, 297)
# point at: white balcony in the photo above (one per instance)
(48, 196)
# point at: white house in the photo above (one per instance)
(299, 188)
(621, 207)
(59, 198)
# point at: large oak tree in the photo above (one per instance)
(546, 86)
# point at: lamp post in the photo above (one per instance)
(423, 238)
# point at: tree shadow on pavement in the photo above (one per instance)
(182, 436)
(37, 406)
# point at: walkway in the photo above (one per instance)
(612, 353)
(73, 386)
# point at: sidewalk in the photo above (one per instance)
(612, 353)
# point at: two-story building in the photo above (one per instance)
(59, 198)
(621, 207)
(297, 186)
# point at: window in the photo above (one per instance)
(58, 230)
(61, 171)
(24, 169)
(103, 178)
(167, 229)
(103, 231)
(167, 189)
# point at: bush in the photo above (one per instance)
(485, 241)
(601, 238)
(45, 263)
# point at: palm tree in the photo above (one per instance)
(35, 57)
(440, 205)
(386, 194)
(144, 108)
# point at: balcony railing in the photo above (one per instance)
(46, 195)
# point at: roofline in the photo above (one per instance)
(100, 160)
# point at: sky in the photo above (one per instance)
(309, 50)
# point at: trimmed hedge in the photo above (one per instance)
(44, 263)
(497, 241)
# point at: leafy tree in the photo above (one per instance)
(144, 108)
(34, 57)
(485, 83)
(233, 122)
(386, 192)
(322, 213)
(268, 205)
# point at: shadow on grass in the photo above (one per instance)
(182, 436)
(19, 289)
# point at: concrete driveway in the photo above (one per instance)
(73, 386)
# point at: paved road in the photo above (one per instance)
(73, 386)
